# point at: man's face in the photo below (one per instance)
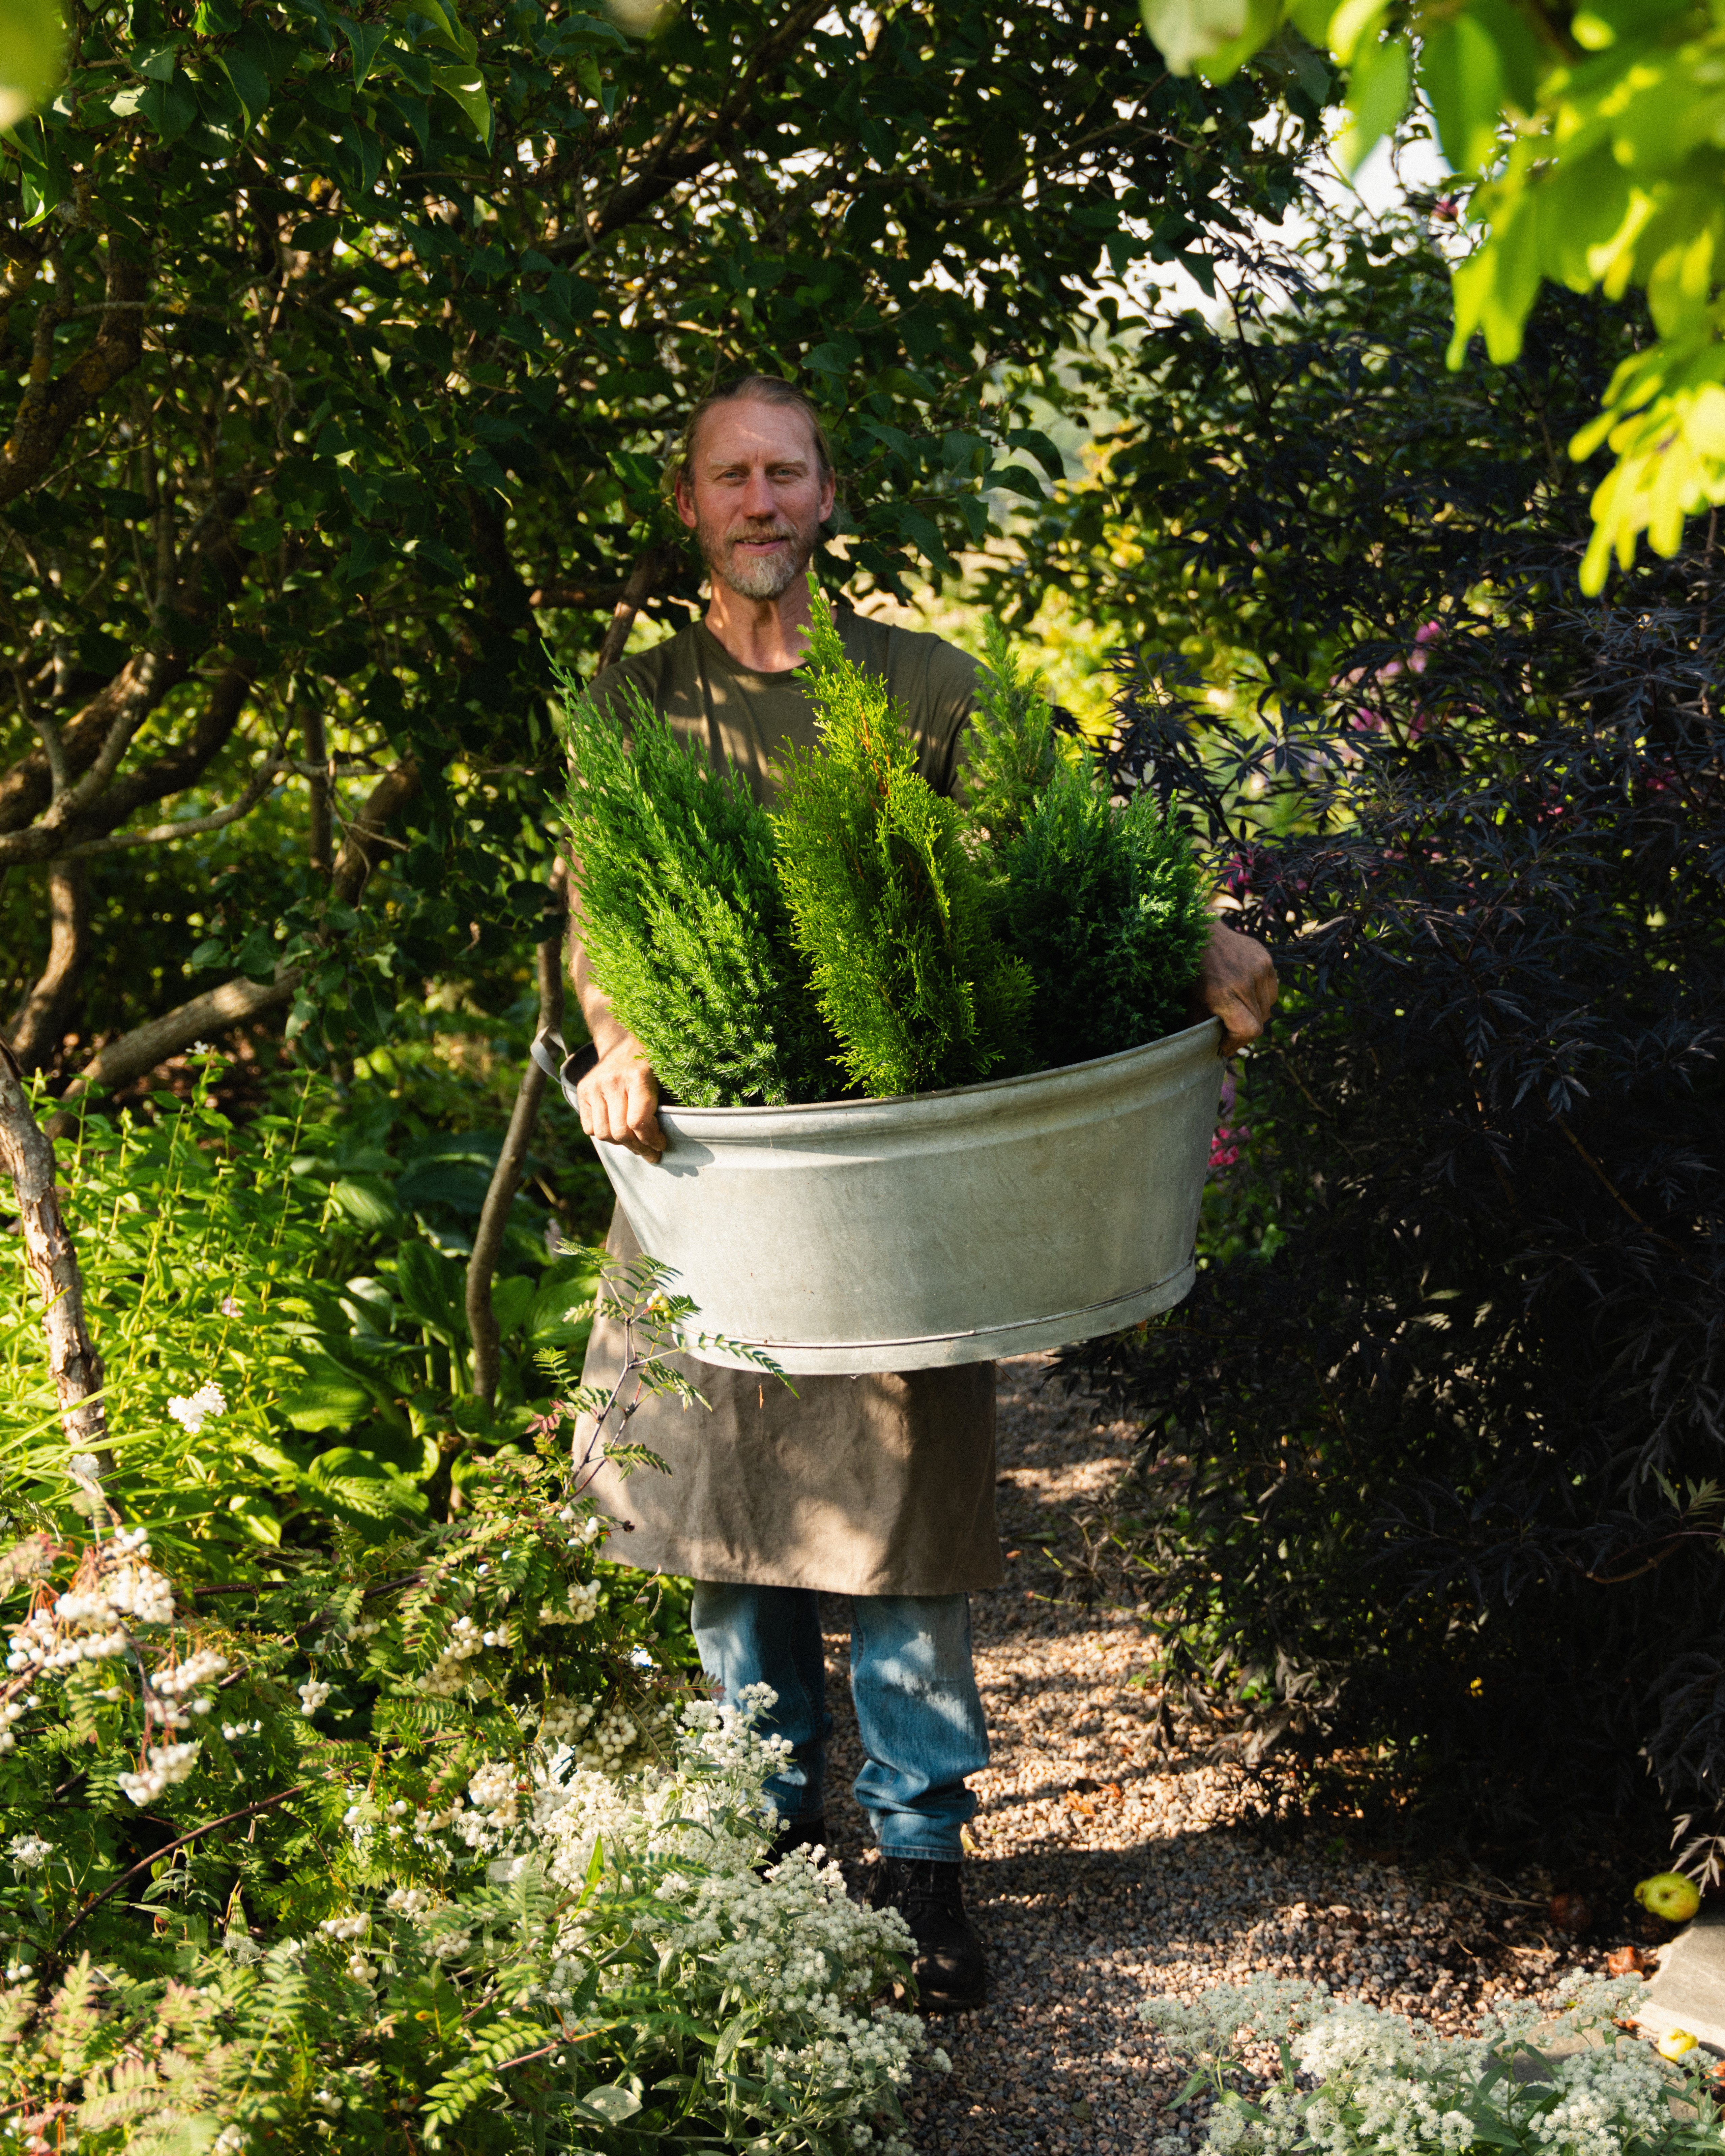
(754, 496)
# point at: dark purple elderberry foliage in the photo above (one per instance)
(1435, 1449)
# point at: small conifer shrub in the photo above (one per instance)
(886, 905)
(1011, 749)
(686, 922)
(1105, 904)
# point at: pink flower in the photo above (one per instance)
(1225, 1145)
(230, 1306)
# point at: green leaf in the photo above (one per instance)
(466, 85)
(328, 1398)
(424, 1278)
(170, 108)
(610, 2103)
(32, 42)
(511, 1299)
(156, 62)
(1462, 73)
(1187, 31)
(250, 77)
(366, 1199)
(1378, 94)
(365, 38)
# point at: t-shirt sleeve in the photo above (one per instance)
(949, 693)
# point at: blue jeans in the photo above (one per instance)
(914, 1688)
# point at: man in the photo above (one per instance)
(880, 1488)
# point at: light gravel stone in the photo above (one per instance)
(1117, 1856)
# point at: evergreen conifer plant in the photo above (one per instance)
(686, 922)
(886, 905)
(1011, 749)
(1105, 906)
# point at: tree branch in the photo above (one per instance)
(184, 827)
(237, 1001)
(155, 1855)
(49, 407)
(41, 1016)
(506, 1177)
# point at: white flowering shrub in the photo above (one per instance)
(357, 1913)
(1350, 2079)
(395, 1832)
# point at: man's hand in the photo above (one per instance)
(618, 1099)
(1236, 983)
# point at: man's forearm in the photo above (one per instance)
(604, 1029)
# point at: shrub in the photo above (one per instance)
(1439, 1470)
(410, 1839)
(1353, 2079)
(685, 920)
(885, 903)
(1012, 745)
(1104, 903)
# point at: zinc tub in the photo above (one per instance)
(932, 1228)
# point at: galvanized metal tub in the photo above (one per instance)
(934, 1228)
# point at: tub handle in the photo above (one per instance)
(567, 1070)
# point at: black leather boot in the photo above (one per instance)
(950, 1973)
(800, 1834)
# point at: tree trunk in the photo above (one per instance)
(42, 1016)
(494, 1218)
(27, 1156)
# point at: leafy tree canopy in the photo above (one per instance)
(342, 351)
(1593, 135)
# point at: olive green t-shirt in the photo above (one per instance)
(693, 684)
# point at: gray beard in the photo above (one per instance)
(758, 580)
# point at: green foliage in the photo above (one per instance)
(312, 1276)
(1011, 749)
(339, 367)
(1106, 907)
(365, 1840)
(885, 903)
(687, 926)
(1594, 141)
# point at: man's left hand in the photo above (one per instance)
(1236, 983)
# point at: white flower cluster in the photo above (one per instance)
(200, 1668)
(165, 1765)
(789, 1949)
(1388, 2087)
(90, 1622)
(444, 1679)
(172, 1709)
(584, 1605)
(191, 1411)
(584, 1533)
(495, 1789)
(29, 1852)
(563, 1720)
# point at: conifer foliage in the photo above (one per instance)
(885, 904)
(1011, 749)
(685, 924)
(1105, 904)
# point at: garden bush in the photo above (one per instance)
(1436, 1438)
(1291, 2071)
(406, 1828)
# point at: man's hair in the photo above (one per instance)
(759, 389)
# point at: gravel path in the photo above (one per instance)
(1109, 1864)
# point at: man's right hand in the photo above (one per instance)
(619, 1100)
